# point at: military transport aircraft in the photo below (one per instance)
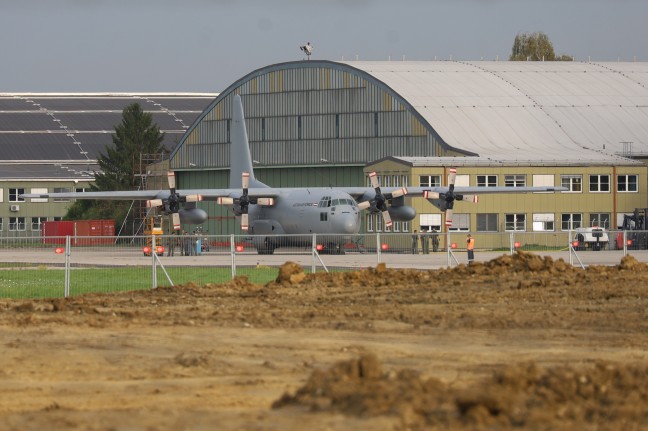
(277, 217)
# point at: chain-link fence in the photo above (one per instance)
(62, 266)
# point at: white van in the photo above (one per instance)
(594, 238)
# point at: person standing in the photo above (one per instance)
(172, 244)
(415, 240)
(425, 241)
(470, 247)
(435, 240)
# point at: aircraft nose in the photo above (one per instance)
(348, 223)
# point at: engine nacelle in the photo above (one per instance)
(193, 216)
(402, 213)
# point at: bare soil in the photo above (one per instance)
(520, 342)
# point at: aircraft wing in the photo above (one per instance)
(113, 195)
(214, 194)
(206, 194)
(418, 191)
(368, 192)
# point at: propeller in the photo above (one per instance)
(244, 201)
(380, 200)
(172, 204)
(449, 197)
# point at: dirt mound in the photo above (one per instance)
(519, 396)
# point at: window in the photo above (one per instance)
(337, 125)
(486, 180)
(600, 220)
(514, 222)
(430, 221)
(599, 183)
(625, 183)
(543, 181)
(36, 223)
(378, 222)
(1, 195)
(16, 223)
(487, 222)
(571, 221)
(61, 190)
(1, 224)
(323, 216)
(460, 222)
(376, 128)
(572, 182)
(543, 222)
(515, 180)
(462, 181)
(14, 195)
(430, 180)
(263, 129)
(37, 191)
(369, 223)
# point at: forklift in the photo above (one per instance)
(637, 231)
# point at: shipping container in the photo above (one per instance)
(54, 232)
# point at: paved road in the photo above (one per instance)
(125, 256)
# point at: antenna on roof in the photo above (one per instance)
(308, 50)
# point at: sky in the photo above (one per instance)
(206, 45)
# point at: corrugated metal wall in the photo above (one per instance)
(306, 112)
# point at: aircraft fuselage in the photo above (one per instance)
(300, 213)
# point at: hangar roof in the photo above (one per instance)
(539, 112)
(71, 130)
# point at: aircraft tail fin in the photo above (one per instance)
(240, 158)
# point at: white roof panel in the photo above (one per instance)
(543, 111)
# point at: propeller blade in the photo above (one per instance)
(374, 180)
(448, 221)
(154, 203)
(265, 201)
(246, 181)
(364, 205)
(244, 221)
(172, 181)
(399, 192)
(431, 195)
(225, 201)
(468, 198)
(175, 218)
(452, 177)
(387, 219)
(193, 198)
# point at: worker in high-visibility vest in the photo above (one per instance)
(470, 246)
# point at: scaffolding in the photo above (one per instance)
(150, 174)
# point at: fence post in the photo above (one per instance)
(66, 283)
(625, 243)
(153, 263)
(313, 252)
(511, 243)
(233, 255)
(378, 246)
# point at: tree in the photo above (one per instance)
(532, 47)
(135, 135)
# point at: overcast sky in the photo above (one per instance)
(205, 45)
